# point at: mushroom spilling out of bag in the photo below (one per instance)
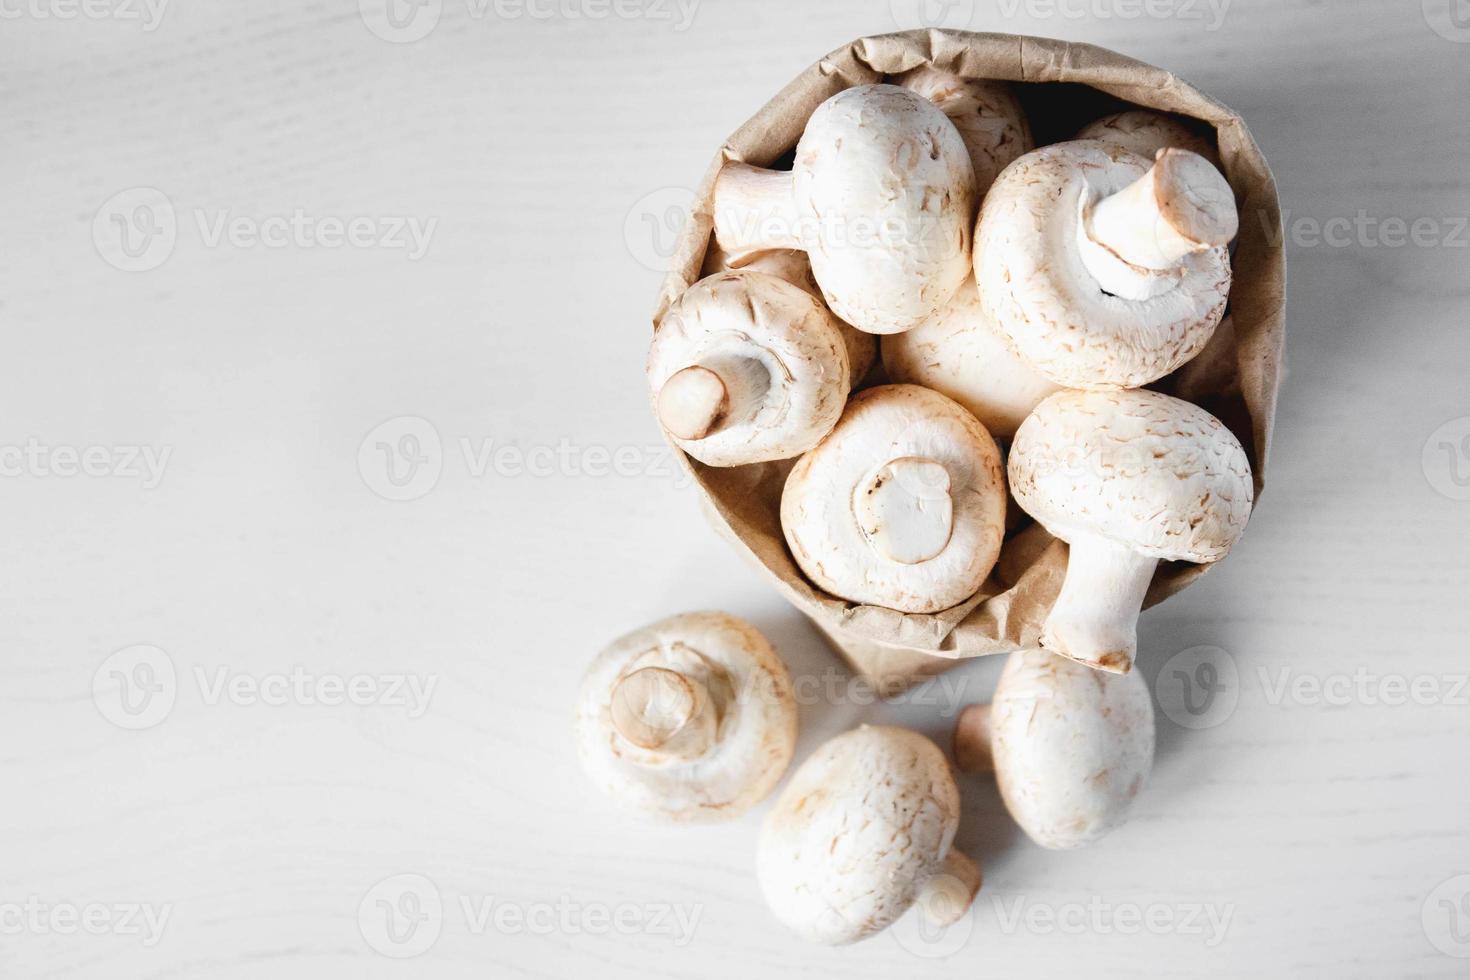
(1127, 479)
(1104, 269)
(691, 719)
(747, 367)
(902, 505)
(881, 197)
(1070, 747)
(865, 830)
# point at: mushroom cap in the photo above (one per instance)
(749, 691)
(959, 353)
(1039, 293)
(1146, 132)
(1072, 746)
(823, 507)
(1157, 474)
(794, 267)
(888, 182)
(863, 824)
(783, 341)
(986, 112)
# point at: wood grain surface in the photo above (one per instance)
(310, 525)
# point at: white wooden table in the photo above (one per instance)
(194, 486)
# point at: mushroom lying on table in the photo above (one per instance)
(881, 197)
(986, 113)
(959, 353)
(864, 830)
(1103, 269)
(902, 505)
(1146, 132)
(745, 368)
(691, 719)
(792, 265)
(1127, 479)
(1070, 746)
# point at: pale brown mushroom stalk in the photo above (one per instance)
(1134, 242)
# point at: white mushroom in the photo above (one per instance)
(691, 719)
(902, 505)
(986, 113)
(745, 368)
(864, 830)
(881, 196)
(1070, 746)
(1146, 132)
(792, 265)
(959, 353)
(1127, 479)
(1102, 270)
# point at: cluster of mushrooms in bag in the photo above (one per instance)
(943, 334)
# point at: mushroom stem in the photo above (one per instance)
(946, 896)
(905, 510)
(972, 740)
(664, 711)
(1095, 618)
(1134, 242)
(702, 399)
(755, 209)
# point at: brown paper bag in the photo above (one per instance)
(1062, 86)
